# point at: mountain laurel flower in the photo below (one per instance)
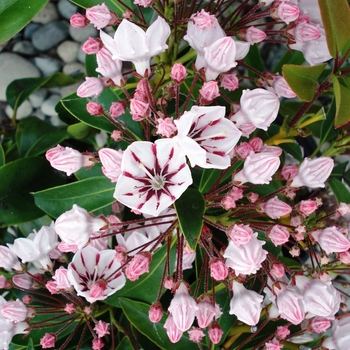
(101, 328)
(132, 43)
(138, 265)
(99, 16)
(166, 127)
(278, 235)
(277, 270)
(246, 304)
(243, 150)
(219, 57)
(331, 240)
(215, 332)
(281, 87)
(343, 209)
(258, 168)
(8, 259)
(196, 335)
(206, 311)
(15, 311)
(209, 91)
(78, 21)
(139, 109)
(304, 32)
(67, 159)
(94, 109)
(313, 172)
(206, 137)
(178, 73)
(245, 258)
(289, 171)
(109, 67)
(218, 269)
(183, 308)
(306, 207)
(240, 234)
(340, 335)
(95, 275)
(273, 344)
(203, 19)
(92, 87)
(111, 162)
(286, 11)
(229, 82)
(91, 46)
(155, 313)
(275, 208)
(75, 226)
(48, 341)
(319, 324)
(252, 35)
(143, 3)
(117, 109)
(174, 334)
(153, 176)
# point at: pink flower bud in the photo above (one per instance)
(252, 35)
(319, 324)
(109, 67)
(23, 281)
(97, 344)
(14, 311)
(218, 270)
(243, 150)
(51, 286)
(282, 332)
(172, 331)
(169, 283)
(99, 16)
(275, 208)
(92, 46)
(228, 203)
(331, 240)
(139, 109)
(252, 197)
(166, 127)
(343, 209)
(111, 161)
(178, 73)
(277, 270)
(143, 3)
(273, 344)
(278, 235)
(94, 109)
(306, 207)
(3, 282)
(92, 87)
(155, 312)
(206, 311)
(256, 143)
(229, 82)
(196, 335)
(138, 265)
(286, 11)
(240, 234)
(8, 259)
(209, 91)
(61, 278)
(27, 299)
(282, 88)
(78, 21)
(69, 309)
(48, 341)
(344, 257)
(304, 32)
(215, 332)
(117, 109)
(101, 328)
(117, 135)
(289, 171)
(236, 193)
(203, 19)
(294, 251)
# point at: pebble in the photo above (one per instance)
(48, 106)
(73, 68)
(13, 66)
(66, 9)
(81, 56)
(38, 97)
(67, 90)
(47, 65)
(82, 34)
(68, 51)
(47, 14)
(25, 48)
(50, 35)
(30, 29)
(24, 110)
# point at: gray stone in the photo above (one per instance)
(50, 35)
(55, 121)
(14, 67)
(38, 97)
(48, 106)
(24, 110)
(73, 68)
(24, 48)
(47, 65)
(68, 51)
(82, 34)
(81, 56)
(47, 14)
(30, 29)
(39, 114)
(66, 9)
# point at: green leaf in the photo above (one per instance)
(34, 136)
(137, 313)
(209, 176)
(91, 194)
(16, 14)
(116, 6)
(293, 149)
(125, 344)
(28, 227)
(340, 191)
(2, 156)
(342, 101)
(254, 59)
(291, 57)
(303, 79)
(30, 344)
(336, 20)
(347, 177)
(339, 170)
(190, 208)
(327, 128)
(80, 131)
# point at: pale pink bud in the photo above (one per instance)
(229, 82)
(92, 87)
(3, 282)
(196, 335)
(111, 162)
(141, 90)
(69, 309)
(278, 235)
(117, 135)
(277, 270)
(23, 281)
(331, 240)
(27, 299)
(282, 88)
(51, 286)
(256, 143)
(243, 150)
(277, 151)
(319, 324)
(344, 257)
(127, 15)
(273, 344)
(253, 35)
(252, 197)
(218, 269)
(304, 32)
(215, 332)
(48, 341)
(109, 67)
(61, 278)
(286, 11)
(172, 331)
(94, 109)
(228, 203)
(343, 209)
(282, 332)
(155, 312)
(14, 311)
(236, 193)
(289, 171)
(183, 308)
(306, 207)
(169, 283)
(178, 73)
(78, 21)
(117, 109)
(138, 265)
(294, 251)
(203, 19)
(92, 46)
(166, 127)
(99, 16)
(209, 91)
(97, 344)
(206, 311)
(275, 208)
(139, 109)
(101, 328)
(240, 234)
(8, 259)
(143, 3)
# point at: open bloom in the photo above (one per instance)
(340, 335)
(153, 176)
(131, 43)
(331, 240)
(95, 275)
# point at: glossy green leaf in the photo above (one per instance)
(30, 344)
(254, 59)
(339, 170)
(293, 149)
(91, 65)
(19, 90)
(80, 131)
(137, 314)
(209, 176)
(327, 128)
(347, 177)
(336, 20)
(190, 208)
(125, 344)
(34, 136)
(340, 191)
(91, 194)
(16, 14)
(2, 156)
(303, 79)
(291, 57)
(115, 6)
(342, 101)
(28, 227)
